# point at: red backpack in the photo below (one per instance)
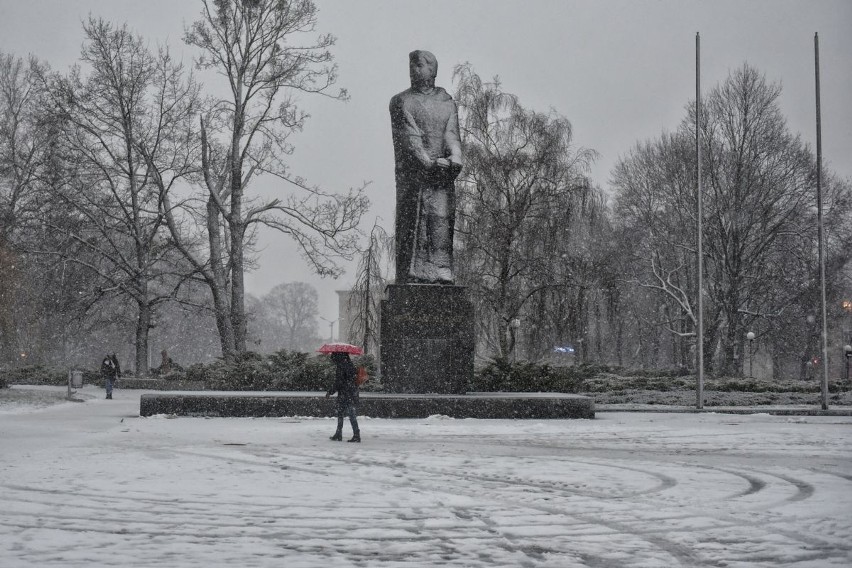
(362, 376)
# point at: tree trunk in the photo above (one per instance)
(732, 363)
(223, 323)
(143, 325)
(619, 341)
(238, 310)
(598, 326)
(218, 285)
(640, 338)
(806, 368)
(237, 227)
(8, 274)
(367, 300)
(578, 326)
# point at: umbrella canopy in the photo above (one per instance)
(341, 348)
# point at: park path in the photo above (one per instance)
(92, 484)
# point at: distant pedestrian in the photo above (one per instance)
(109, 372)
(347, 395)
(117, 366)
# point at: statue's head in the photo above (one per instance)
(423, 68)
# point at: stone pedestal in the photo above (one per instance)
(427, 339)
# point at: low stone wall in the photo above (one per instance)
(472, 405)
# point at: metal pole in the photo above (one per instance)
(824, 384)
(331, 328)
(699, 341)
(750, 359)
(367, 300)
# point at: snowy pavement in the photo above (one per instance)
(92, 484)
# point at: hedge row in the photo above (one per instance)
(280, 371)
(294, 371)
(41, 375)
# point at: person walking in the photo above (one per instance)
(347, 395)
(109, 372)
(117, 366)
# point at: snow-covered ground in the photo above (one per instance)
(92, 484)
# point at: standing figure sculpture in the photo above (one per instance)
(427, 151)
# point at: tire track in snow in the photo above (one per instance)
(683, 555)
(449, 481)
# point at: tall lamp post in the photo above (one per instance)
(330, 327)
(750, 337)
(847, 351)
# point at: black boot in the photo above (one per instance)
(338, 437)
(355, 438)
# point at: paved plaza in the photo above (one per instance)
(93, 484)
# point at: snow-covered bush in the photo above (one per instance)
(526, 376)
(36, 375)
(279, 371)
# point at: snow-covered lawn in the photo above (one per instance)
(92, 484)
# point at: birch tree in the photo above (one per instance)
(518, 163)
(371, 277)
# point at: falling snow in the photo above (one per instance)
(92, 484)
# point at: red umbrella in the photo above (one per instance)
(340, 348)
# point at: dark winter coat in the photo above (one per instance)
(117, 366)
(344, 380)
(108, 369)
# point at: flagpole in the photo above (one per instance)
(824, 383)
(699, 341)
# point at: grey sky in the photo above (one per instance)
(621, 71)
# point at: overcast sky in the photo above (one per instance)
(620, 71)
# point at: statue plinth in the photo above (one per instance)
(427, 339)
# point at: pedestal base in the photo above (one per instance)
(490, 405)
(427, 339)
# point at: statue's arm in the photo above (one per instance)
(452, 139)
(413, 138)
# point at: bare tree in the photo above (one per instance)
(758, 201)
(39, 298)
(517, 164)
(371, 277)
(285, 318)
(129, 113)
(255, 45)
(293, 306)
(24, 143)
(575, 279)
(658, 241)
(23, 140)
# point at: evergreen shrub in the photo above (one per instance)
(501, 375)
(280, 371)
(36, 375)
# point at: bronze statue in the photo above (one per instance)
(427, 149)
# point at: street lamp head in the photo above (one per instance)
(515, 323)
(848, 350)
(750, 335)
